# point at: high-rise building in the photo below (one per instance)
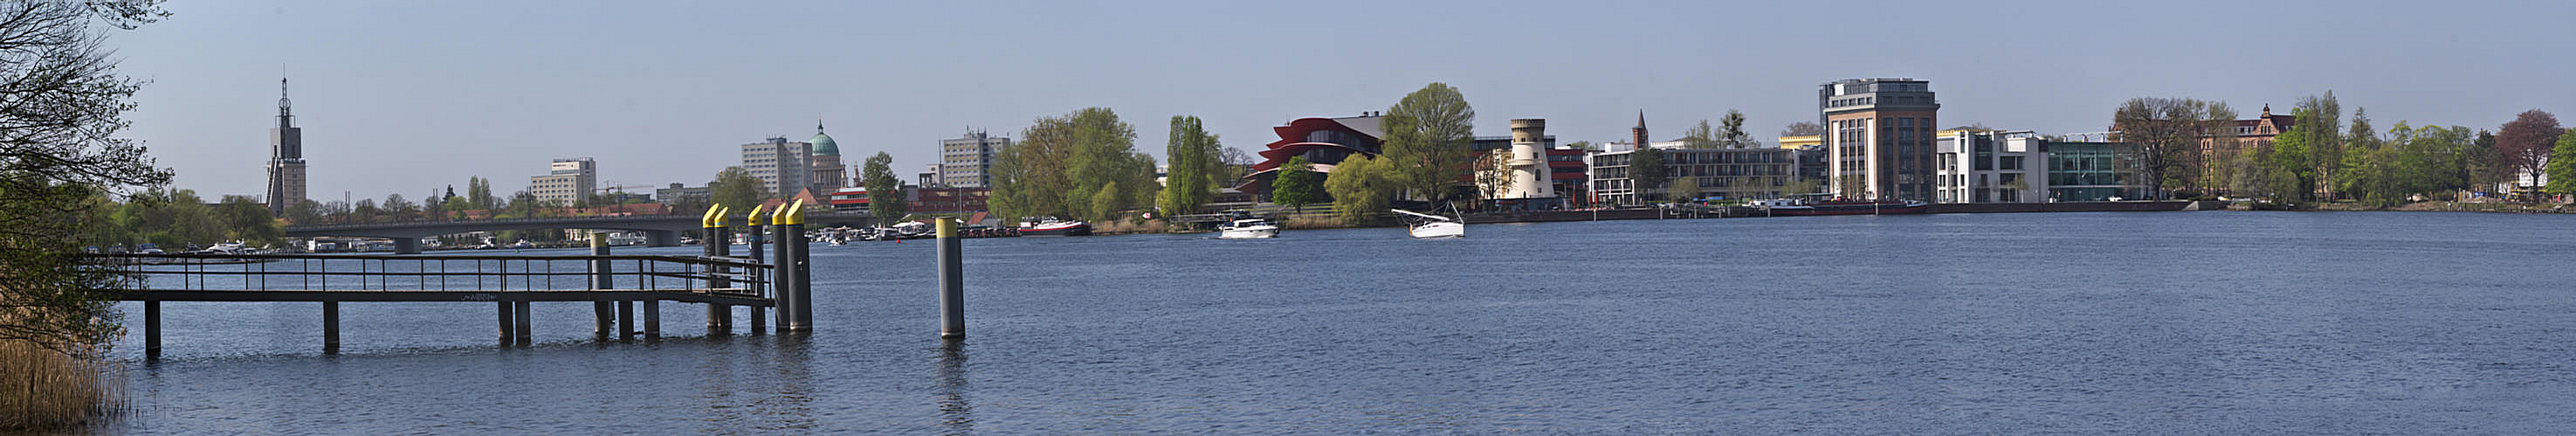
(829, 172)
(967, 161)
(1878, 137)
(285, 157)
(567, 181)
(777, 157)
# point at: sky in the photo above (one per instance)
(412, 97)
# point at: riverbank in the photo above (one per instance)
(2426, 206)
(43, 391)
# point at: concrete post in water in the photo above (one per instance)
(508, 334)
(519, 320)
(625, 320)
(952, 282)
(152, 328)
(792, 294)
(330, 327)
(602, 311)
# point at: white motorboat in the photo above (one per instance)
(1434, 226)
(1254, 228)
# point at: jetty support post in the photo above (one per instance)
(603, 312)
(804, 266)
(652, 318)
(626, 320)
(519, 321)
(152, 328)
(508, 335)
(330, 327)
(952, 283)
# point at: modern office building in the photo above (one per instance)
(829, 173)
(782, 166)
(677, 194)
(1723, 173)
(286, 182)
(1989, 166)
(967, 161)
(1878, 137)
(567, 181)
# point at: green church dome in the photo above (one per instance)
(823, 144)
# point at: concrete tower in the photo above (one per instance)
(1529, 160)
(285, 157)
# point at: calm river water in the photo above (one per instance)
(2235, 322)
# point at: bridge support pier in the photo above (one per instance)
(508, 336)
(519, 322)
(152, 329)
(330, 327)
(406, 245)
(652, 319)
(661, 238)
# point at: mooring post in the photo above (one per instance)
(330, 327)
(804, 266)
(508, 335)
(757, 324)
(718, 317)
(952, 282)
(602, 311)
(519, 319)
(152, 328)
(782, 277)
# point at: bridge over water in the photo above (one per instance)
(658, 230)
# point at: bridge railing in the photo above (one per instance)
(309, 272)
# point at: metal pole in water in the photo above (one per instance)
(721, 246)
(506, 332)
(625, 320)
(152, 328)
(602, 311)
(519, 318)
(952, 283)
(330, 327)
(792, 273)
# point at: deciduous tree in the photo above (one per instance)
(886, 200)
(1646, 169)
(59, 153)
(2526, 143)
(734, 188)
(1361, 188)
(1428, 145)
(1298, 184)
(1193, 163)
(2562, 172)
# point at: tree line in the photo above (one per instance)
(2186, 147)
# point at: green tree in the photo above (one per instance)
(1361, 188)
(479, 191)
(2325, 143)
(59, 155)
(2484, 162)
(1194, 161)
(1731, 134)
(885, 192)
(402, 209)
(2562, 172)
(246, 220)
(1429, 139)
(1299, 185)
(1700, 136)
(1062, 163)
(1646, 169)
(735, 188)
(2291, 174)
(2166, 134)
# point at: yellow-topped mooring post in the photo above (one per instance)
(793, 269)
(952, 282)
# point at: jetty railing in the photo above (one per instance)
(615, 284)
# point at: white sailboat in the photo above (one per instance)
(1434, 226)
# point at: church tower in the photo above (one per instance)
(285, 158)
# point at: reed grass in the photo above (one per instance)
(42, 390)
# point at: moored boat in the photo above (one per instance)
(1054, 227)
(1253, 228)
(1846, 207)
(1434, 226)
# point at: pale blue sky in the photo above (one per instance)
(409, 97)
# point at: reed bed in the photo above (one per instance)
(42, 390)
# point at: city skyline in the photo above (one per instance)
(409, 98)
